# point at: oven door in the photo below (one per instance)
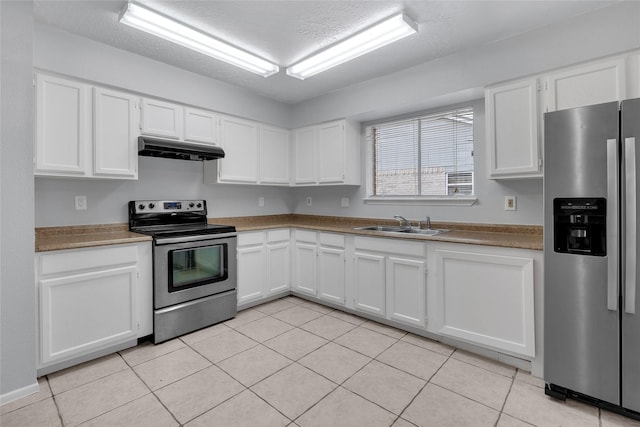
(185, 271)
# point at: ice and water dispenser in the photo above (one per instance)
(580, 226)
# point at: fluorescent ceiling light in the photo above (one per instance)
(381, 34)
(161, 26)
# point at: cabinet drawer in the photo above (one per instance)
(306, 236)
(331, 239)
(278, 236)
(86, 259)
(391, 246)
(246, 239)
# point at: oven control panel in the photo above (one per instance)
(169, 206)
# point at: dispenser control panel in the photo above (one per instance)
(580, 226)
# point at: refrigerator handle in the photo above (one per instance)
(630, 225)
(612, 224)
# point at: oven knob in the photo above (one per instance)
(141, 206)
(151, 205)
(191, 204)
(199, 205)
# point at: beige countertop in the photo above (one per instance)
(85, 236)
(510, 236)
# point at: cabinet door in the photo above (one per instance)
(162, 119)
(586, 85)
(278, 268)
(331, 272)
(274, 155)
(487, 299)
(115, 118)
(63, 127)
(512, 130)
(331, 152)
(406, 290)
(305, 156)
(239, 139)
(370, 281)
(251, 273)
(200, 126)
(86, 312)
(305, 268)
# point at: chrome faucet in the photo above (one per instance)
(427, 223)
(403, 221)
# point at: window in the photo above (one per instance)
(428, 155)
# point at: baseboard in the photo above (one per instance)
(19, 393)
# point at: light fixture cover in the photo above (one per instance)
(381, 34)
(152, 22)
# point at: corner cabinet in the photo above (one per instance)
(91, 302)
(84, 131)
(327, 154)
(512, 130)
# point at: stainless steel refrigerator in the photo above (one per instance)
(591, 311)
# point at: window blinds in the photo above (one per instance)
(424, 156)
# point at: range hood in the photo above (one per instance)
(171, 149)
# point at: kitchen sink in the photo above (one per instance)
(404, 230)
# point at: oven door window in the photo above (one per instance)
(198, 266)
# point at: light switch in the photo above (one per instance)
(509, 203)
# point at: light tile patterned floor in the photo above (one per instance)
(295, 363)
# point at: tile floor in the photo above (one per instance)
(294, 363)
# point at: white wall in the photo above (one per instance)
(17, 290)
(158, 179)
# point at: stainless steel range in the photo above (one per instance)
(194, 265)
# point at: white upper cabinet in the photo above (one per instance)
(588, 84)
(331, 152)
(305, 155)
(63, 127)
(239, 139)
(327, 154)
(512, 129)
(274, 155)
(115, 119)
(162, 119)
(515, 109)
(200, 126)
(85, 131)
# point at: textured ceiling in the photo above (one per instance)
(286, 31)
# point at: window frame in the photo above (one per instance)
(440, 200)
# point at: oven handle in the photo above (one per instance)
(197, 238)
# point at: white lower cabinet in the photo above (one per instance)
(331, 268)
(304, 261)
(406, 290)
(263, 264)
(319, 265)
(369, 282)
(389, 279)
(485, 296)
(88, 301)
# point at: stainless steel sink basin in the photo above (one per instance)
(405, 230)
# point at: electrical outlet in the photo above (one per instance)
(308, 201)
(509, 203)
(344, 202)
(260, 201)
(81, 203)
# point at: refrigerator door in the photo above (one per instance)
(581, 318)
(630, 309)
